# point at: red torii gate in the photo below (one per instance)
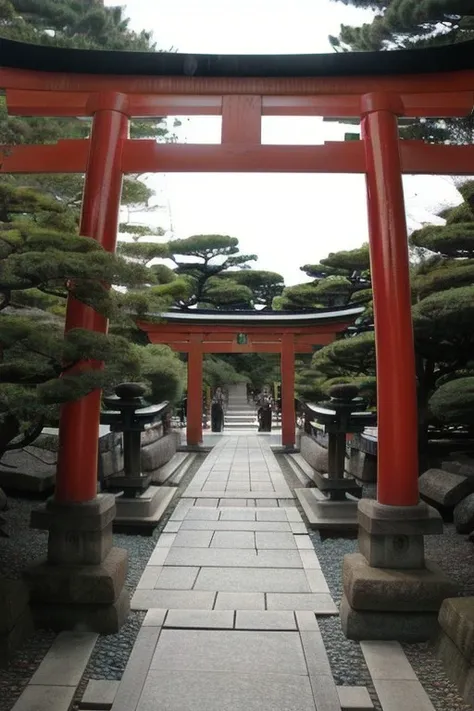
(114, 87)
(200, 332)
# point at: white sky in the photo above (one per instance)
(288, 220)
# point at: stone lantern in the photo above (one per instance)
(139, 504)
(333, 503)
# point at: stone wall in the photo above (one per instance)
(314, 453)
(32, 470)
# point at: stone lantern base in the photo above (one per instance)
(390, 590)
(81, 583)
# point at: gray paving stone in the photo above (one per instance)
(397, 694)
(354, 698)
(267, 503)
(252, 580)
(240, 601)
(229, 651)
(316, 657)
(204, 514)
(149, 578)
(209, 502)
(158, 556)
(136, 671)
(232, 502)
(201, 619)
(325, 693)
(254, 620)
(177, 578)
(172, 527)
(173, 599)
(317, 602)
(211, 691)
(192, 539)
(235, 526)
(298, 528)
(304, 543)
(387, 660)
(45, 698)
(306, 620)
(238, 515)
(261, 486)
(293, 514)
(166, 540)
(309, 559)
(66, 659)
(272, 515)
(317, 581)
(154, 618)
(234, 558)
(233, 539)
(99, 694)
(275, 541)
(181, 509)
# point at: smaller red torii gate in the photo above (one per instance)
(200, 332)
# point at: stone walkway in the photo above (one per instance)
(232, 593)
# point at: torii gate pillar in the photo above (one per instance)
(288, 424)
(392, 529)
(78, 520)
(194, 400)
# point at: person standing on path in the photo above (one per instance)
(217, 411)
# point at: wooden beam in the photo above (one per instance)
(242, 120)
(76, 103)
(444, 82)
(70, 156)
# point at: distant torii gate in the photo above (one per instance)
(200, 332)
(377, 87)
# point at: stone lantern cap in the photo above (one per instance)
(128, 410)
(344, 412)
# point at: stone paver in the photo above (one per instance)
(229, 651)
(212, 691)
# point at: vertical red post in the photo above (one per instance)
(76, 479)
(194, 408)
(288, 417)
(396, 375)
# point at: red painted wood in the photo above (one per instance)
(149, 157)
(242, 119)
(396, 381)
(445, 82)
(288, 418)
(70, 156)
(75, 103)
(194, 407)
(76, 479)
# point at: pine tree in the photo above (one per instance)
(443, 317)
(43, 259)
(408, 24)
(340, 279)
(204, 266)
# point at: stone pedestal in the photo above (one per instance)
(390, 590)
(455, 643)
(323, 514)
(143, 513)
(81, 582)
